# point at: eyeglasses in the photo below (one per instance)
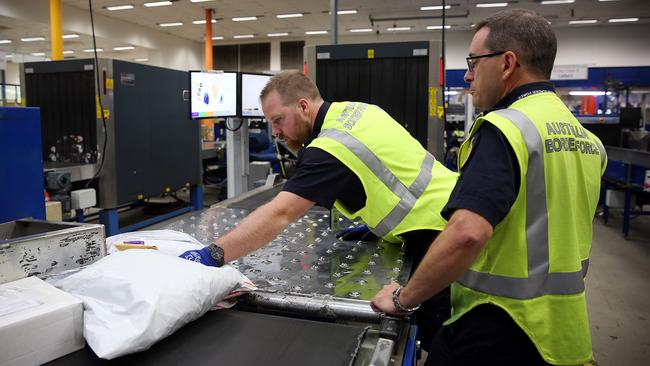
(471, 63)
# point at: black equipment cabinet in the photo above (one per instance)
(401, 78)
(152, 145)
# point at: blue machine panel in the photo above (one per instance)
(21, 164)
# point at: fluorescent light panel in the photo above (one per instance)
(158, 3)
(123, 48)
(11, 55)
(70, 36)
(243, 19)
(623, 20)
(588, 93)
(293, 15)
(361, 30)
(434, 7)
(200, 1)
(38, 54)
(119, 7)
(240, 36)
(397, 29)
(88, 50)
(202, 21)
(141, 59)
(586, 21)
(174, 24)
(32, 39)
(434, 27)
(316, 32)
(344, 12)
(281, 34)
(556, 2)
(68, 52)
(217, 38)
(5, 41)
(491, 5)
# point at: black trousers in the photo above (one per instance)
(437, 309)
(486, 335)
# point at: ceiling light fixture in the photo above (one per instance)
(70, 36)
(158, 3)
(32, 39)
(491, 5)
(68, 52)
(38, 54)
(586, 21)
(345, 12)
(397, 29)
(281, 34)
(555, 2)
(202, 21)
(174, 24)
(243, 19)
(123, 48)
(587, 92)
(5, 41)
(119, 7)
(316, 32)
(434, 7)
(141, 59)
(200, 1)
(9, 56)
(88, 50)
(217, 38)
(623, 20)
(434, 27)
(240, 36)
(293, 15)
(360, 30)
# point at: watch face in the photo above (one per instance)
(216, 252)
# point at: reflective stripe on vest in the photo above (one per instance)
(539, 281)
(408, 196)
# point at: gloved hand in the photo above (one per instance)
(202, 256)
(361, 232)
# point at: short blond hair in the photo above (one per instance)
(291, 86)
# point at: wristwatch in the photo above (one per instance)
(216, 252)
(399, 306)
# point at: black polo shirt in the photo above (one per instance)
(489, 181)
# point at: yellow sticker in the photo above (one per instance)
(371, 53)
(140, 196)
(441, 112)
(433, 101)
(99, 109)
(109, 84)
(107, 113)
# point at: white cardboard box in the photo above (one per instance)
(38, 322)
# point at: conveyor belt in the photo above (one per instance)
(228, 337)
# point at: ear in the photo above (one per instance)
(510, 64)
(303, 104)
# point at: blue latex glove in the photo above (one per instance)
(202, 256)
(361, 232)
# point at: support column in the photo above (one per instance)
(208, 39)
(334, 15)
(56, 30)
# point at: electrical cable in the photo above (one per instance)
(241, 122)
(99, 99)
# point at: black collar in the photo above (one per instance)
(318, 123)
(522, 92)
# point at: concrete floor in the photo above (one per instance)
(618, 293)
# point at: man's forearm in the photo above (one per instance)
(450, 255)
(262, 226)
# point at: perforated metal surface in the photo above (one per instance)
(306, 258)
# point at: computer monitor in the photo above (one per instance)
(213, 94)
(251, 86)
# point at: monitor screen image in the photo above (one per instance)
(251, 86)
(213, 94)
